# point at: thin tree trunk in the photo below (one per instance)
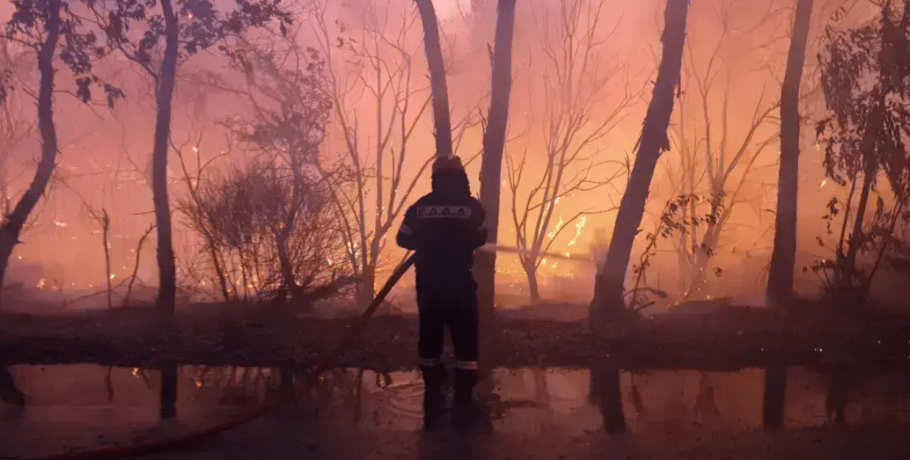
(11, 229)
(846, 294)
(288, 291)
(438, 88)
(494, 140)
(367, 285)
(608, 291)
(129, 286)
(783, 256)
(216, 264)
(284, 235)
(105, 231)
(533, 287)
(167, 269)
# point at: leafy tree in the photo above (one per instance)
(866, 83)
(51, 30)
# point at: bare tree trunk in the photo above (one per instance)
(11, 229)
(216, 264)
(105, 231)
(432, 46)
(129, 286)
(608, 291)
(167, 269)
(283, 235)
(533, 287)
(284, 262)
(494, 140)
(367, 284)
(783, 256)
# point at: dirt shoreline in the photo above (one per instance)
(129, 337)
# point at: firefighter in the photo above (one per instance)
(444, 228)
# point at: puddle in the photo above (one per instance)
(529, 401)
(76, 406)
(87, 405)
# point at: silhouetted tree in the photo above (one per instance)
(494, 140)
(442, 119)
(783, 256)
(51, 30)
(609, 284)
(866, 82)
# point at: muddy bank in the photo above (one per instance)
(130, 337)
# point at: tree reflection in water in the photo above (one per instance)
(9, 392)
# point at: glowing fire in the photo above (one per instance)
(556, 228)
(579, 226)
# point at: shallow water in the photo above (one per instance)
(81, 406)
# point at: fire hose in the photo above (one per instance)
(312, 376)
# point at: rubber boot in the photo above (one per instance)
(467, 412)
(435, 380)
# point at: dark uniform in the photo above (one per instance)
(444, 228)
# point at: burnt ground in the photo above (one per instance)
(265, 337)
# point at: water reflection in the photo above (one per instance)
(83, 403)
(9, 392)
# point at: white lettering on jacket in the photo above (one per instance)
(443, 212)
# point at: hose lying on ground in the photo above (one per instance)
(160, 445)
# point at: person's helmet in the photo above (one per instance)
(450, 162)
